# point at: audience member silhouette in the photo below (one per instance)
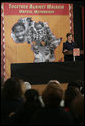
(71, 92)
(11, 97)
(32, 103)
(77, 84)
(77, 109)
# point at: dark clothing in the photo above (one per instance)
(9, 106)
(69, 47)
(52, 116)
(23, 116)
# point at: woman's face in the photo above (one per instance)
(20, 33)
(69, 38)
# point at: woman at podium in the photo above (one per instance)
(68, 47)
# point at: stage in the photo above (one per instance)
(41, 73)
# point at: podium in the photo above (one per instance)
(73, 56)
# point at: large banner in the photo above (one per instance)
(33, 32)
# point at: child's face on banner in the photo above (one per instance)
(20, 33)
(43, 43)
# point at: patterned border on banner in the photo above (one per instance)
(3, 74)
(71, 19)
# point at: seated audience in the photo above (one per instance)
(52, 113)
(23, 105)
